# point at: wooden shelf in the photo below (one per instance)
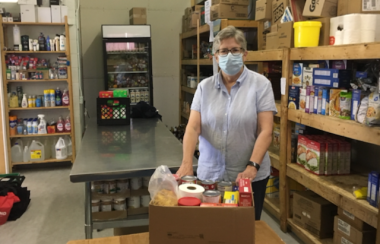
(53, 80)
(352, 51)
(188, 89)
(338, 190)
(42, 135)
(205, 61)
(272, 205)
(39, 108)
(265, 55)
(305, 236)
(53, 160)
(346, 128)
(278, 107)
(185, 115)
(189, 62)
(37, 52)
(275, 160)
(32, 23)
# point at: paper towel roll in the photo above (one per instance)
(351, 36)
(191, 190)
(335, 24)
(367, 35)
(338, 38)
(352, 22)
(369, 22)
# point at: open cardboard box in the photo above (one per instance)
(189, 225)
(112, 215)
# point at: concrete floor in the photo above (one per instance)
(56, 211)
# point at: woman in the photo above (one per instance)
(232, 114)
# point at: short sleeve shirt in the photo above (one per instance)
(229, 124)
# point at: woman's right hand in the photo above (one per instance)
(185, 169)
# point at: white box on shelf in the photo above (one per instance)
(28, 13)
(34, 2)
(10, 19)
(55, 14)
(5, 19)
(63, 13)
(44, 15)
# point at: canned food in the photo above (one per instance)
(109, 187)
(145, 200)
(122, 186)
(106, 206)
(134, 202)
(119, 204)
(193, 82)
(136, 183)
(224, 186)
(146, 181)
(212, 196)
(95, 205)
(189, 179)
(208, 184)
(97, 187)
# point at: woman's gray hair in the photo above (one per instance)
(229, 32)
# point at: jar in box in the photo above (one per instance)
(95, 205)
(145, 200)
(136, 183)
(106, 204)
(109, 186)
(119, 204)
(134, 202)
(97, 187)
(122, 185)
(146, 181)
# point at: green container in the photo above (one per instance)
(120, 93)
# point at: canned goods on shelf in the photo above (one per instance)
(95, 205)
(136, 183)
(109, 186)
(106, 206)
(212, 196)
(145, 200)
(97, 187)
(134, 202)
(119, 204)
(122, 185)
(189, 179)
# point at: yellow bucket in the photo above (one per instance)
(306, 33)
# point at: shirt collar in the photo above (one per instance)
(240, 80)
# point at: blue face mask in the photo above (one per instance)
(230, 64)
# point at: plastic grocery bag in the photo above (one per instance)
(163, 187)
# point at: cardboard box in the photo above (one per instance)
(353, 221)
(137, 16)
(271, 41)
(261, 36)
(188, 11)
(297, 74)
(374, 188)
(234, 2)
(198, 7)
(321, 8)
(314, 213)
(297, 6)
(193, 2)
(33, 2)
(138, 211)
(112, 215)
(28, 13)
(197, 225)
(294, 97)
(194, 17)
(227, 11)
(285, 35)
(64, 13)
(245, 193)
(324, 36)
(263, 10)
(352, 234)
(130, 230)
(278, 9)
(44, 14)
(140, 192)
(56, 14)
(356, 7)
(315, 157)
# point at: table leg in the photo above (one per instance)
(87, 211)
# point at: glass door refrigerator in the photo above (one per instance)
(127, 55)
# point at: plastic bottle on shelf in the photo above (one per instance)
(48, 47)
(65, 98)
(47, 98)
(26, 154)
(12, 125)
(67, 124)
(35, 126)
(16, 153)
(18, 141)
(42, 42)
(42, 125)
(24, 102)
(60, 125)
(33, 101)
(69, 145)
(30, 127)
(16, 35)
(13, 103)
(52, 98)
(60, 149)
(58, 97)
(62, 42)
(37, 151)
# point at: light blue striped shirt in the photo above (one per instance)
(229, 124)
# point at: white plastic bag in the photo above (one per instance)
(163, 187)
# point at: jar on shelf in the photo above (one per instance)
(95, 205)
(106, 204)
(119, 204)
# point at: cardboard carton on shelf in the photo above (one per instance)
(282, 38)
(198, 7)
(271, 41)
(314, 214)
(353, 220)
(137, 16)
(296, 7)
(324, 36)
(353, 235)
(227, 11)
(234, 2)
(321, 8)
(357, 7)
(263, 10)
(278, 9)
(193, 19)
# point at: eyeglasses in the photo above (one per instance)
(234, 51)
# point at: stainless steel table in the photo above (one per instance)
(117, 152)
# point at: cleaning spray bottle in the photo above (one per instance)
(48, 47)
(42, 125)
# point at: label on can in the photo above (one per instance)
(208, 185)
(189, 179)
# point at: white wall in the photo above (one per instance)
(165, 17)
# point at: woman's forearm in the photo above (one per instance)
(261, 146)
(189, 141)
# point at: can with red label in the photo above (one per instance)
(208, 185)
(189, 179)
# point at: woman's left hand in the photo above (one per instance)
(249, 173)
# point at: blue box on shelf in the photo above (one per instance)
(373, 183)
